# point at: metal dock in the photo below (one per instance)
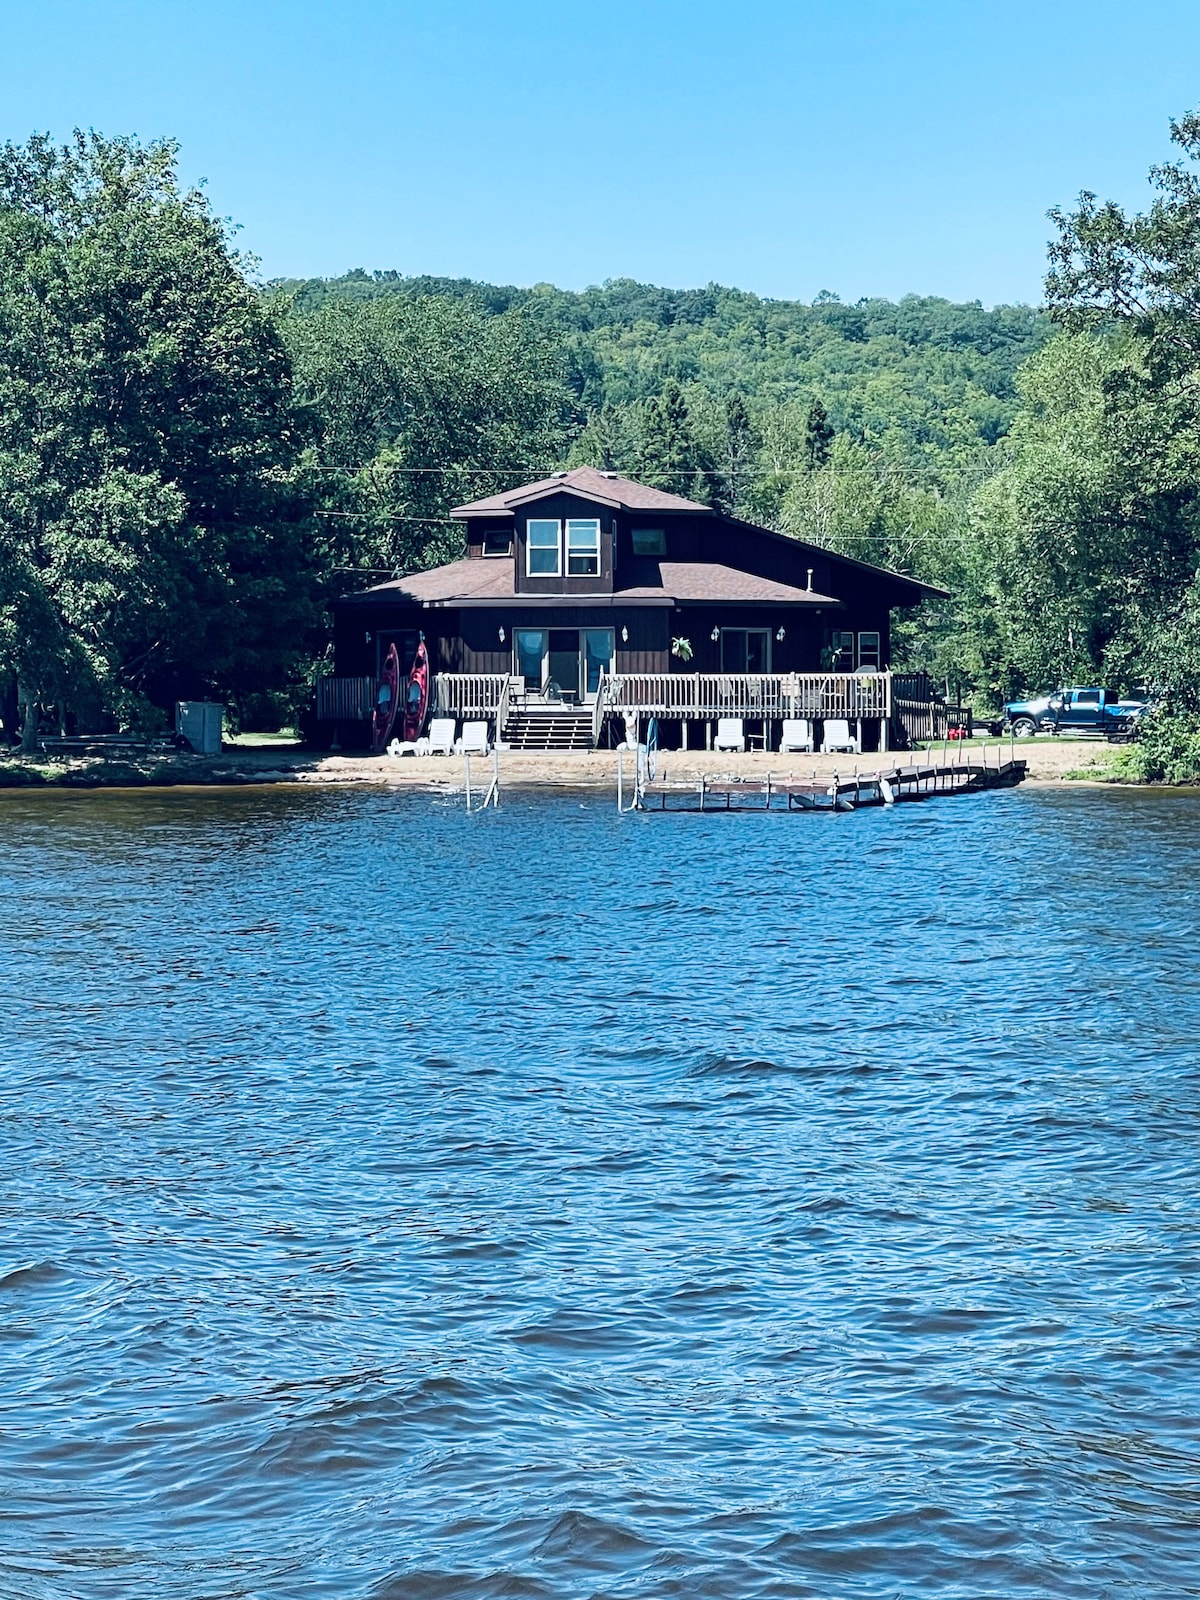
(886, 787)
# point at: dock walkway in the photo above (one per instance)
(882, 788)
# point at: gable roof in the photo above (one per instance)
(609, 488)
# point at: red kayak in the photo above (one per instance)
(387, 701)
(416, 696)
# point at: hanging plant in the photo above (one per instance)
(682, 648)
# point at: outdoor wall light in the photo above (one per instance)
(367, 637)
(779, 636)
(715, 635)
(502, 634)
(624, 635)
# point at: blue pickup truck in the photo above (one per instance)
(1076, 711)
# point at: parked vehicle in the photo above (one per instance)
(1077, 711)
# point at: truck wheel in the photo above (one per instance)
(1024, 728)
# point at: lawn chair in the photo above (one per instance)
(797, 735)
(731, 734)
(839, 737)
(441, 736)
(474, 741)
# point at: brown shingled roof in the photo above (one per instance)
(478, 581)
(607, 487)
(709, 580)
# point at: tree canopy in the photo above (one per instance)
(149, 517)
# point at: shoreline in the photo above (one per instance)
(1051, 763)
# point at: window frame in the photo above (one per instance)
(876, 651)
(592, 553)
(842, 641)
(747, 671)
(544, 522)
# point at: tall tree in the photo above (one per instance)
(151, 535)
(417, 404)
(818, 436)
(670, 455)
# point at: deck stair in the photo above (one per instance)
(549, 727)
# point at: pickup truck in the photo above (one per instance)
(1077, 711)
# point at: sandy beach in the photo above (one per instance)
(1051, 761)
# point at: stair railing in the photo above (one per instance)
(502, 710)
(598, 707)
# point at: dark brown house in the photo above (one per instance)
(588, 577)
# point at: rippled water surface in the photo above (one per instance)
(399, 1204)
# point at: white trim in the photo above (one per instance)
(529, 547)
(592, 553)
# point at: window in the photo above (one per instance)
(870, 653)
(583, 549)
(745, 650)
(543, 557)
(497, 542)
(1087, 697)
(649, 541)
(838, 654)
(597, 656)
(529, 648)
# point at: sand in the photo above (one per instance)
(1050, 760)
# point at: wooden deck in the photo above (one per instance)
(885, 787)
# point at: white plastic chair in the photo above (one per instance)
(797, 735)
(474, 741)
(730, 734)
(441, 736)
(839, 737)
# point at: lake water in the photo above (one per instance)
(402, 1204)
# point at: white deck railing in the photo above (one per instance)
(693, 696)
(463, 694)
(702, 696)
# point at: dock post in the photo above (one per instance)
(620, 779)
(468, 783)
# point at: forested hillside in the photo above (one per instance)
(926, 380)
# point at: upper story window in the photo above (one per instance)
(583, 549)
(543, 554)
(649, 541)
(497, 542)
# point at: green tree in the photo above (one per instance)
(669, 454)
(818, 436)
(417, 405)
(152, 536)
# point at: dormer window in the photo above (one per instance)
(649, 541)
(583, 549)
(543, 556)
(497, 542)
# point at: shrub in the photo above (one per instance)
(1166, 750)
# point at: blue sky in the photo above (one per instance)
(859, 146)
